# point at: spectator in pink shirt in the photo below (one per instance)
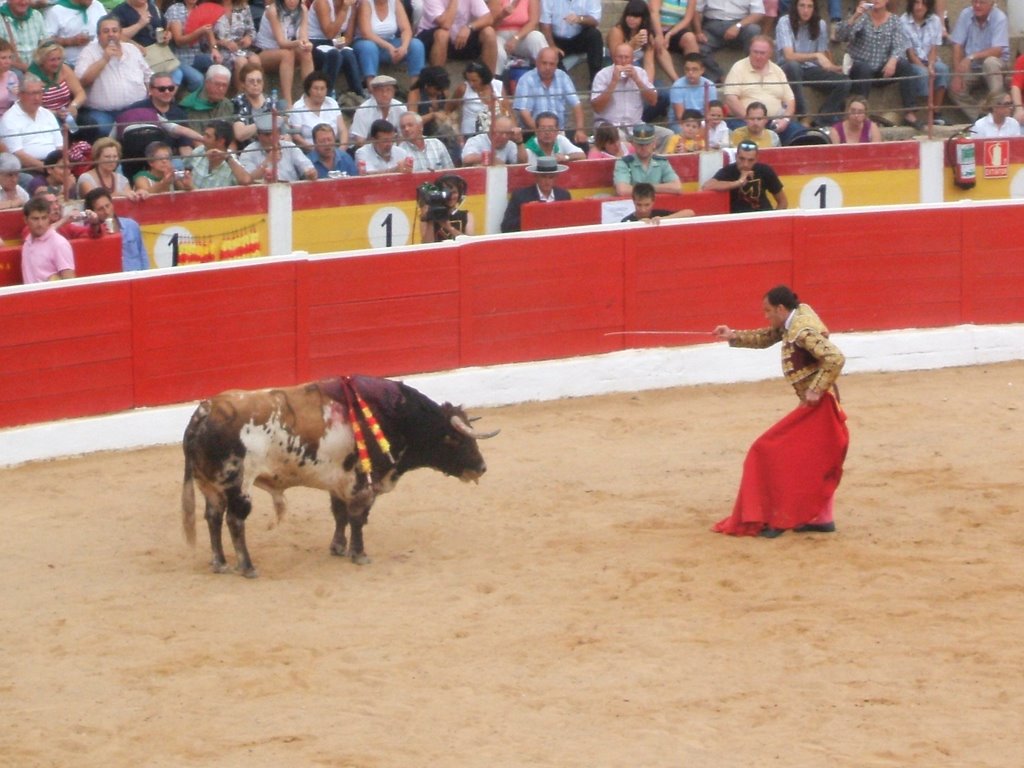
(45, 254)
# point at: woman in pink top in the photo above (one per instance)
(517, 23)
(855, 128)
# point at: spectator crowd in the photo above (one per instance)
(137, 98)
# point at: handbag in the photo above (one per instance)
(161, 59)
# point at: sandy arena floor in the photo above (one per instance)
(571, 610)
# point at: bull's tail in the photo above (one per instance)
(188, 496)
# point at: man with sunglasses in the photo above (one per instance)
(748, 183)
(160, 109)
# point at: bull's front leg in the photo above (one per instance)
(353, 512)
(239, 507)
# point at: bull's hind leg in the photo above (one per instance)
(239, 507)
(214, 521)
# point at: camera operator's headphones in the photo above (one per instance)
(452, 180)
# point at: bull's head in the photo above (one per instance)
(460, 453)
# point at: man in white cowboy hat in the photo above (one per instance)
(382, 105)
(545, 172)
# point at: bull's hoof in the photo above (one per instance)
(361, 558)
(249, 573)
(338, 550)
(218, 567)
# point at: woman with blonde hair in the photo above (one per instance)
(106, 157)
(63, 94)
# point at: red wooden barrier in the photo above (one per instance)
(571, 213)
(78, 349)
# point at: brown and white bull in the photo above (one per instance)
(304, 436)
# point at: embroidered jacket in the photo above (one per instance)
(809, 359)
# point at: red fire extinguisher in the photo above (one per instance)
(960, 155)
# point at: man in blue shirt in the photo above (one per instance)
(549, 89)
(981, 47)
(326, 156)
(133, 251)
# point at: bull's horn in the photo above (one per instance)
(464, 428)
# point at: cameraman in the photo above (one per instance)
(440, 216)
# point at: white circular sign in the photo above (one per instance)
(163, 250)
(1017, 185)
(821, 192)
(388, 228)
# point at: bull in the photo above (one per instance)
(353, 437)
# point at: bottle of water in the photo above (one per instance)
(274, 103)
(71, 123)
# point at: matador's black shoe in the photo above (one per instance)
(816, 528)
(771, 533)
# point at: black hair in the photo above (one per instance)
(782, 295)
(635, 8)
(313, 77)
(813, 23)
(435, 77)
(756, 105)
(481, 69)
(95, 194)
(221, 130)
(692, 114)
(379, 126)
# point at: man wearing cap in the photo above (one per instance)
(12, 194)
(382, 105)
(748, 183)
(644, 165)
(504, 144)
(258, 158)
(545, 171)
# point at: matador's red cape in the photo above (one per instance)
(791, 471)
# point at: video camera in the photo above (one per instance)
(434, 198)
